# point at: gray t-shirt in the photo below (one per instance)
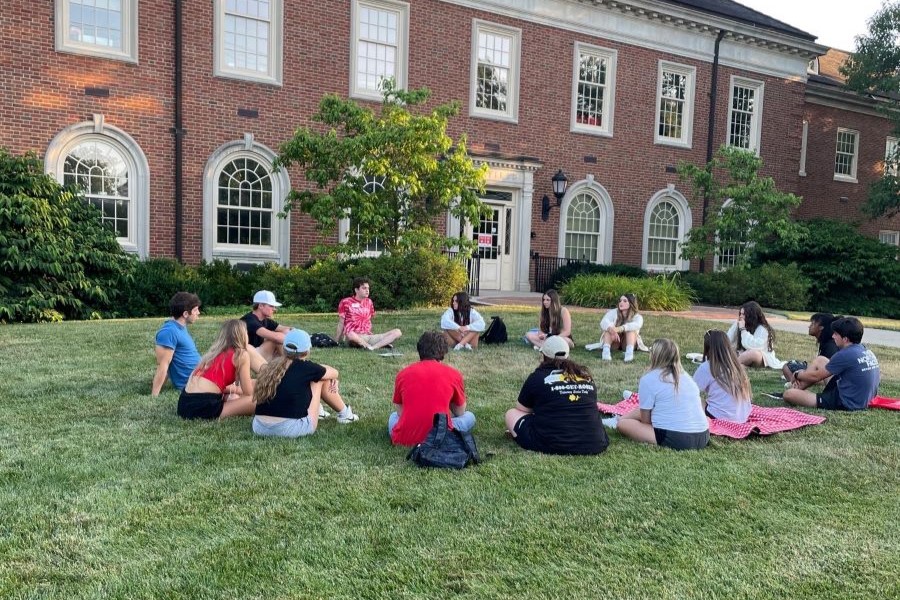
(720, 403)
(683, 412)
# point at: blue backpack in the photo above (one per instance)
(445, 448)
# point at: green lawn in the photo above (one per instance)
(106, 493)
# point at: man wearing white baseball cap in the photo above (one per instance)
(265, 335)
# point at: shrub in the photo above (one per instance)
(58, 259)
(221, 284)
(153, 283)
(571, 270)
(663, 292)
(848, 272)
(772, 285)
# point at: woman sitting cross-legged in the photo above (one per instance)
(221, 385)
(753, 338)
(554, 320)
(669, 412)
(723, 379)
(557, 408)
(290, 389)
(461, 323)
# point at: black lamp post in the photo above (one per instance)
(560, 182)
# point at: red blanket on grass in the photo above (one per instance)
(885, 402)
(762, 420)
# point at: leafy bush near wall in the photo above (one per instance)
(571, 270)
(57, 260)
(772, 285)
(848, 272)
(663, 292)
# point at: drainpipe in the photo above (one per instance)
(178, 131)
(711, 125)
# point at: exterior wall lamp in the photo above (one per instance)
(560, 182)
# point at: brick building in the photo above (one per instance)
(171, 113)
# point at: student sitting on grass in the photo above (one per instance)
(620, 329)
(557, 408)
(819, 328)
(290, 389)
(554, 320)
(210, 392)
(723, 379)
(461, 323)
(670, 412)
(753, 338)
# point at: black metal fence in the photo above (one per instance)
(473, 270)
(546, 266)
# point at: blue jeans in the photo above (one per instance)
(464, 422)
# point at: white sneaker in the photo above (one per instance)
(611, 423)
(594, 346)
(538, 348)
(629, 355)
(347, 416)
(606, 354)
(324, 414)
(627, 394)
(459, 346)
(468, 346)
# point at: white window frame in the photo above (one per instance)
(607, 217)
(685, 222)
(890, 148)
(889, 237)
(759, 88)
(511, 114)
(400, 76)
(851, 177)
(279, 249)
(273, 75)
(138, 240)
(605, 129)
(687, 127)
(129, 51)
(743, 242)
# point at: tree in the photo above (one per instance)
(393, 173)
(874, 70)
(743, 210)
(57, 259)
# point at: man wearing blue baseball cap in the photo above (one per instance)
(265, 335)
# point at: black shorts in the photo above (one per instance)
(677, 440)
(830, 398)
(200, 406)
(525, 438)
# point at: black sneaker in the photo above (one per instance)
(774, 395)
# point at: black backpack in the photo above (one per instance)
(445, 448)
(322, 340)
(495, 332)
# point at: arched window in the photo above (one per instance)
(112, 172)
(666, 221)
(731, 239)
(242, 199)
(586, 222)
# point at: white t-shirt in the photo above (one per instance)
(683, 413)
(719, 403)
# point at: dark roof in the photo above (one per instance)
(739, 12)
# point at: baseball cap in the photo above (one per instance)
(555, 347)
(265, 297)
(297, 340)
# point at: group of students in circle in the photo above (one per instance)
(556, 409)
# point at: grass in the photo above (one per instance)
(874, 322)
(105, 493)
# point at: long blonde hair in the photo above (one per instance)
(271, 375)
(664, 356)
(231, 336)
(724, 366)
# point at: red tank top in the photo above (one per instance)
(221, 370)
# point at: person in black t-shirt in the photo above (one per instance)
(557, 408)
(265, 335)
(819, 328)
(290, 388)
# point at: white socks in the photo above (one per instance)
(629, 353)
(606, 353)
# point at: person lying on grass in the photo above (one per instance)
(557, 408)
(670, 412)
(723, 379)
(290, 389)
(221, 385)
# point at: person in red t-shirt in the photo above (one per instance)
(355, 320)
(427, 388)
